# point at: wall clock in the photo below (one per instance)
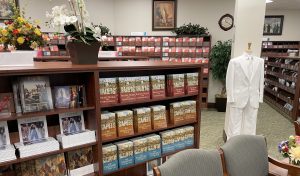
(226, 22)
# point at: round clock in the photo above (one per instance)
(226, 22)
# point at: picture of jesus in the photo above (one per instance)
(164, 15)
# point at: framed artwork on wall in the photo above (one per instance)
(164, 15)
(273, 25)
(6, 8)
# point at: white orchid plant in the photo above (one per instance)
(75, 21)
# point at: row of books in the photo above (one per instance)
(186, 60)
(33, 94)
(73, 163)
(127, 122)
(280, 45)
(54, 38)
(129, 152)
(128, 89)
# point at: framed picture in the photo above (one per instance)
(6, 8)
(273, 25)
(164, 15)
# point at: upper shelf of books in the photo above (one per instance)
(46, 67)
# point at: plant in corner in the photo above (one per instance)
(191, 29)
(85, 38)
(219, 59)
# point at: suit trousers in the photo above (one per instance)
(241, 121)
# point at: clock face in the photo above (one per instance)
(226, 22)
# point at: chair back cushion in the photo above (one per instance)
(246, 155)
(193, 162)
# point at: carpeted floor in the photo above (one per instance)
(270, 123)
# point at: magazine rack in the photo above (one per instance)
(65, 73)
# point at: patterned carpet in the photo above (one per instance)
(270, 123)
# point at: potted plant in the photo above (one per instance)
(84, 42)
(219, 59)
(191, 29)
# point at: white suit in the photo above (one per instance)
(245, 88)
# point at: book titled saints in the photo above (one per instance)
(80, 162)
(51, 165)
(33, 130)
(71, 123)
(35, 93)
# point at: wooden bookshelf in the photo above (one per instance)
(64, 73)
(280, 66)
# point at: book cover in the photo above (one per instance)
(157, 41)
(17, 99)
(176, 85)
(71, 123)
(151, 41)
(62, 95)
(74, 97)
(33, 130)
(142, 120)
(4, 135)
(179, 138)
(166, 41)
(189, 136)
(140, 149)
(127, 89)
(192, 83)
(190, 110)
(172, 41)
(177, 115)
(108, 91)
(26, 168)
(125, 123)
(131, 41)
(108, 126)
(193, 41)
(158, 86)
(110, 158)
(179, 41)
(80, 158)
(158, 117)
(81, 96)
(142, 88)
(199, 41)
(6, 104)
(125, 153)
(154, 146)
(51, 165)
(35, 93)
(167, 142)
(185, 41)
(138, 41)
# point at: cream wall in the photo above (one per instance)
(291, 25)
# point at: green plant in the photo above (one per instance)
(191, 29)
(219, 59)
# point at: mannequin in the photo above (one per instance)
(244, 86)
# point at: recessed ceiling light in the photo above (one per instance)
(269, 1)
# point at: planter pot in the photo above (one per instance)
(23, 47)
(221, 104)
(82, 53)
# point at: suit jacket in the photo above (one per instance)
(243, 84)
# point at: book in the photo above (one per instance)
(142, 88)
(179, 138)
(154, 146)
(158, 117)
(124, 123)
(71, 123)
(190, 110)
(108, 126)
(177, 113)
(158, 86)
(192, 85)
(4, 135)
(6, 104)
(140, 149)
(80, 162)
(110, 158)
(26, 168)
(51, 165)
(176, 84)
(35, 93)
(81, 96)
(33, 130)
(127, 89)
(74, 97)
(142, 120)
(167, 141)
(125, 153)
(17, 99)
(62, 96)
(189, 135)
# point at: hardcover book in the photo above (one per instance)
(189, 136)
(74, 97)
(179, 41)
(140, 149)
(110, 158)
(4, 135)
(179, 138)
(108, 91)
(33, 130)
(144, 41)
(177, 113)
(127, 89)
(142, 120)
(125, 123)
(35, 93)
(138, 41)
(190, 110)
(26, 168)
(154, 146)
(71, 123)
(6, 104)
(125, 153)
(158, 117)
(192, 83)
(167, 141)
(172, 41)
(158, 86)
(79, 158)
(17, 99)
(176, 85)
(142, 88)
(62, 95)
(51, 165)
(108, 126)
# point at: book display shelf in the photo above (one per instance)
(64, 74)
(281, 76)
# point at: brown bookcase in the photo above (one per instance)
(64, 73)
(279, 67)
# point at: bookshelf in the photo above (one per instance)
(281, 77)
(64, 73)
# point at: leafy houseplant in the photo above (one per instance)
(219, 58)
(191, 29)
(85, 38)
(20, 32)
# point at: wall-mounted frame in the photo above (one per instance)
(273, 25)
(164, 15)
(6, 9)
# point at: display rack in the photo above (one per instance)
(281, 77)
(65, 73)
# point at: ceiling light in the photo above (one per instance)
(269, 1)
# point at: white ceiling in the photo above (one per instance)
(284, 5)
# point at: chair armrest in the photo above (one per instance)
(156, 171)
(292, 169)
